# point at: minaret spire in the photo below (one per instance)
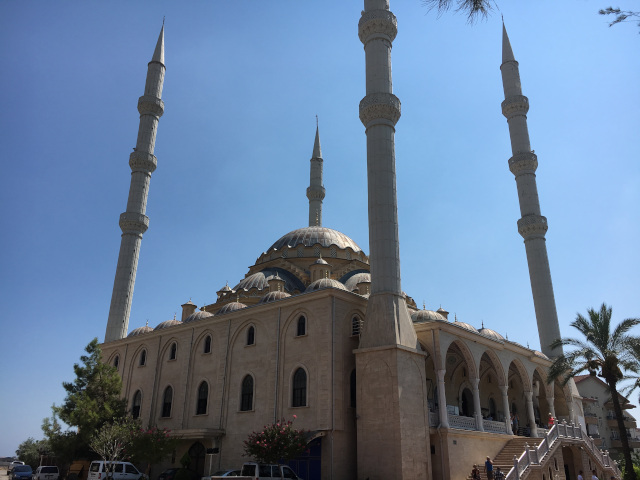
(134, 222)
(532, 225)
(316, 192)
(390, 419)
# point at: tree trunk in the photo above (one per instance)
(629, 473)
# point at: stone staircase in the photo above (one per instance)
(504, 459)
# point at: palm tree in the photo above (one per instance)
(601, 352)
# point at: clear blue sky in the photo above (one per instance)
(244, 82)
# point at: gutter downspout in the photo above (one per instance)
(224, 384)
(277, 375)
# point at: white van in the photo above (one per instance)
(259, 471)
(46, 473)
(119, 471)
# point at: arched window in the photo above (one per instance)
(299, 397)
(173, 351)
(203, 396)
(116, 361)
(251, 335)
(246, 400)
(352, 389)
(302, 326)
(207, 344)
(167, 400)
(136, 404)
(143, 358)
(356, 326)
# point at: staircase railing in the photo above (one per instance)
(535, 455)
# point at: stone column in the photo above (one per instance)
(476, 404)
(505, 405)
(531, 414)
(442, 399)
(133, 222)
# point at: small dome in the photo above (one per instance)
(491, 333)
(199, 315)
(226, 288)
(140, 331)
(540, 354)
(320, 261)
(422, 316)
(260, 280)
(466, 326)
(273, 296)
(168, 323)
(231, 307)
(322, 283)
(352, 281)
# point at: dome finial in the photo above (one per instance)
(424, 305)
(482, 321)
(147, 324)
(174, 315)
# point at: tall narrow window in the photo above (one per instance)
(203, 396)
(143, 357)
(116, 361)
(246, 401)
(167, 400)
(299, 398)
(207, 344)
(251, 336)
(302, 326)
(355, 326)
(135, 405)
(352, 389)
(173, 351)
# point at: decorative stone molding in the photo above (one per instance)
(381, 22)
(142, 162)
(531, 226)
(132, 222)
(523, 162)
(515, 105)
(315, 193)
(379, 105)
(149, 105)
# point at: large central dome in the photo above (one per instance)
(310, 236)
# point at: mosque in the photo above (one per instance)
(321, 330)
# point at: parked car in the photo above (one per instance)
(13, 464)
(46, 473)
(170, 474)
(119, 471)
(21, 472)
(259, 471)
(223, 473)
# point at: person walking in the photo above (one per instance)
(594, 476)
(550, 422)
(498, 475)
(580, 477)
(488, 467)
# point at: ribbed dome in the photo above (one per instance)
(540, 354)
(140, 331)
(354, 280)
(168, 323)
(273, 296)
(310, 236)
(491, 333)
(325, 283)
(466, 326)
(320, 261)
(260, 280)
(422, 316)
(199, 315)
(231, 307)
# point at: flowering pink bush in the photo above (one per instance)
(278, 442)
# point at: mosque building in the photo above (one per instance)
(321, 330)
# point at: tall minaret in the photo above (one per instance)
(315, 192)
(393, 427)
(532, 225)
(134, 222)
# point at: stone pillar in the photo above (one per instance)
(532, 225)
(531, 414)
(505, 405)
(552, 408)
(476, 404)
(134, 222)
(442, 399)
